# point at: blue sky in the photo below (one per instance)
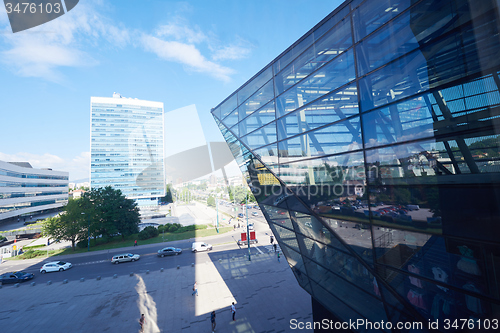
(178, 53)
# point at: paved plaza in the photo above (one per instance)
(265, 292)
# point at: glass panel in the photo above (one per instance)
(335, 305)
(329, 77)
(235, 130)
(277, 215)
(216, 113)
(254, 85)
(405, 121)
(261, 137)
(324, 50)
(313, 228)
(297, 265)
(337, 138)
(285, 236)
(431, 66)
(228, 106)
(333, 107)
(232, 119)
(330, 23)
(257, 119)
(339, 169)
(261, 97)
(268, 154)
(401, 36)
(354, 287)
(286, 58)
(373, 14)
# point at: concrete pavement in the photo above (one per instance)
(265, 292)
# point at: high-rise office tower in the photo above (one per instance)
(127, 147)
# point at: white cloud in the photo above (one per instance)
(181, 33)
(231, 52)
(41, 51)
(78, 167)
(186, 54)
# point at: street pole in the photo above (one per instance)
(248, 232)
(217, 208)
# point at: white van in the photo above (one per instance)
(200, 246)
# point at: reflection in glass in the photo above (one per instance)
(331, 108)
(329, 77)
(337, 138)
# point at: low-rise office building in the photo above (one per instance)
(25, 191)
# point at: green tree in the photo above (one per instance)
(111, 213)
(211, 200)
(69, 226)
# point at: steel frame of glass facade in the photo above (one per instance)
(127, 147)
(372, 147)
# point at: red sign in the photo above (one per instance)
(243, 236)
(252, 235)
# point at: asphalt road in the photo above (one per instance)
(94, 264)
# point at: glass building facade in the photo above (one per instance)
(372, 147)
(25, 191)
(127, 147)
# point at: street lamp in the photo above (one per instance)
(88, 231)
(248, 231)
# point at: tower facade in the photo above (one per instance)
(127, 147)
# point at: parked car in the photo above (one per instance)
(15, 277)
(55, 266)
(200, 246)
(124, 258)
(240, 215)
(255, 214)
(169, 251)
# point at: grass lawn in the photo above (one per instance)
(117, 242)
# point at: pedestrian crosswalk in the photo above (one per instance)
(270, 248)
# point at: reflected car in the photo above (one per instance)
(126, 257)
(15, 277)
(169, 251)
(200, 246)
(55, 266)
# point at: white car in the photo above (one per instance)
(200, 246)
(255, 214)
(251, 227)
(55, 266)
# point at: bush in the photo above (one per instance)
(33, 254)
(169, 227)
(82, 244)
(32, 247)
(192, 227)
(148, 232)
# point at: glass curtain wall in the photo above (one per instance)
(372, 147)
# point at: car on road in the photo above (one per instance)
(255, 214)
(169, 251)
(240, 215)
(126, 257)
(251, 227)
(55, 266)
(200, 246)
(15, 277)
